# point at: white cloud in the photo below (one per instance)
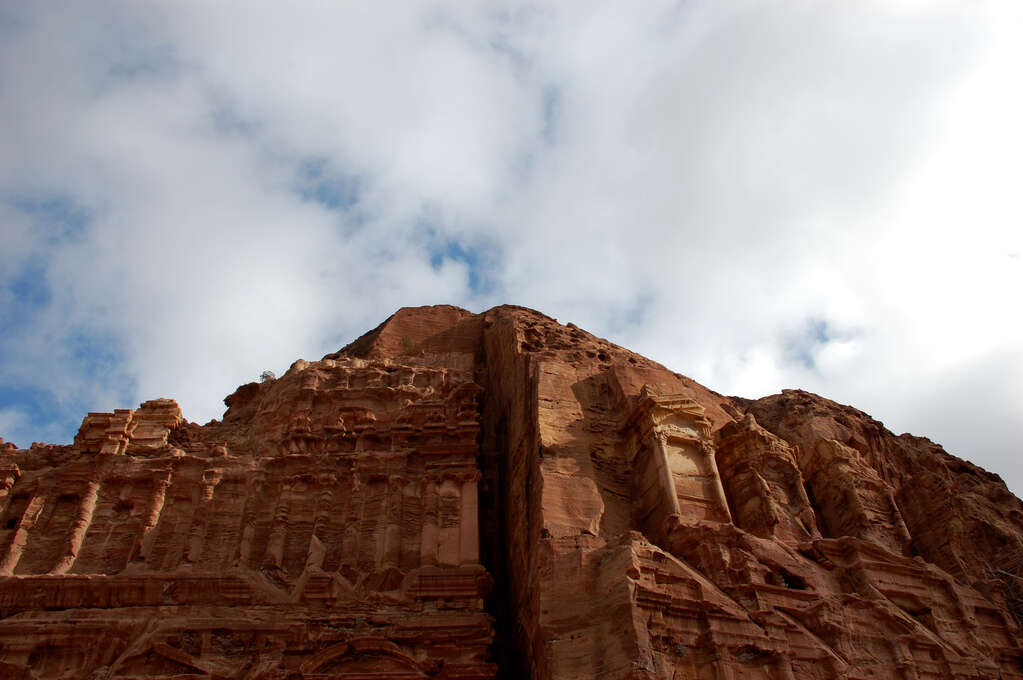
(12, 419)
(703, 182)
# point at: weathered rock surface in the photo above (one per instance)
(460, 495)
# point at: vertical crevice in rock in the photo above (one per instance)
(822, 524)
(493, 533)
(503, 502)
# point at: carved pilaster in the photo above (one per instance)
(431, 528)
(79, 527)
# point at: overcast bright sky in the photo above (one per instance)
(760, 195)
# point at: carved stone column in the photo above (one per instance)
(718, 488)
(392, 531)
(8, 476)
(431, 530)
(35, 508)
(449, 516)
(469, 532)
(274, 554)
(79, 527)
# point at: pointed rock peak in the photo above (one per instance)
(411, 331)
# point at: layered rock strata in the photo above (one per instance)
(460, 495)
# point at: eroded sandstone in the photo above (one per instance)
(460, 495)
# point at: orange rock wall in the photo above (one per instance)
(460, 495)
(327, 528)
(667, 533)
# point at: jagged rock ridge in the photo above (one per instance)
(458, 495)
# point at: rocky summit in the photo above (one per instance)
(469, 496)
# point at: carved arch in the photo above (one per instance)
(360, 647)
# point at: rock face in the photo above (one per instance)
(495, 495)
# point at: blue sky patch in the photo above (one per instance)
(57, 216)
(332, 190)
(478, 255)
(635, 314)
(29, 286)
(92, 361)
(452, 250)
(28, 293)
(801, 347)
(41, 411)
(96, 357)
(478, 260)
(56, 220)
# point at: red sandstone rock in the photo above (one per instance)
(496, 495)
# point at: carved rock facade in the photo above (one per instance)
(460, 495)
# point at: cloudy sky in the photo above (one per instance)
(760, 195)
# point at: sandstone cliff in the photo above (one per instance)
(458, 495)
